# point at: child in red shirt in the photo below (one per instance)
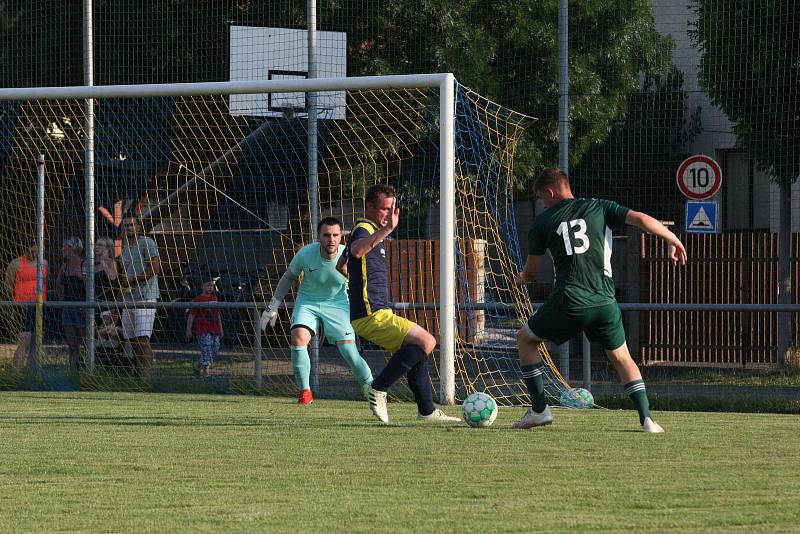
(206, 325)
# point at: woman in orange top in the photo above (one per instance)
(20, 282)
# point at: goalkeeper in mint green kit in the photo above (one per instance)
(322, 297)
(577, 234)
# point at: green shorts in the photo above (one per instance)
(558, 324)
(334, 316)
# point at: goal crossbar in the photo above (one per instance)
(301, 85)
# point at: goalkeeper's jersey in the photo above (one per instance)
(321, 281)
(577, 234)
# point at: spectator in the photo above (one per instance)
(20, 283)
(139, 279)
(105, 269)
(105, 275)
(71, 282)
(206, 325)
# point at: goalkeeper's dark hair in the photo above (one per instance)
(375, 192)
(550, 177)
(329, 221)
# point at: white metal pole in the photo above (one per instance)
(257, 348)
(313, 176)
(294, 85)
(35, 352)
(447, 261)
(88, 73)
(563, 127)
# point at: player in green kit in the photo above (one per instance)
(577, 234)
(322, 297)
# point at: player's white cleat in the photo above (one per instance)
(532, 419)
(377, 403)
(651, 426)
(438, 416)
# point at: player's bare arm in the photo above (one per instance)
(528, 273)
(389, 222)
(643, 221)
(341, 265)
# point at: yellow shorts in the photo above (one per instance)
(384, 328)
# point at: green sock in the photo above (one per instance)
(357, 364)
(301, 364)
(534, 380)
(635, 390)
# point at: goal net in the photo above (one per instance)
(220, 182)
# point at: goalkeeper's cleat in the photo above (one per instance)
(651, 426)
(377, 403)
(532, 419)
(438, 416)
(305, 397)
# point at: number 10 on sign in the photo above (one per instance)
(699, 177)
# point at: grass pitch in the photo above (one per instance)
(128, 462)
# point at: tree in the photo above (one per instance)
(636, 164)
(508, 51)
(41, 43)
(751, 69)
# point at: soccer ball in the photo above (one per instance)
(577, 398)
(480, 410)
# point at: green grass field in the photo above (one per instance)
(103, 462)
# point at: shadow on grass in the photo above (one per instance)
(702, 403)
(126, 397)
(137, 421)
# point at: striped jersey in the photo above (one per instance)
(577, 233)
(369, 275)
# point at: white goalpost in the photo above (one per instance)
(445, 84)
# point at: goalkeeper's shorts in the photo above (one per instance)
(384, 328)
(334, 316)
(559, 324)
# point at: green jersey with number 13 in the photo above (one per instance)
(577, 233)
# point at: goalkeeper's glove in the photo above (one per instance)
(270, 315)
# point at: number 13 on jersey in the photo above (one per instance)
(579, 242)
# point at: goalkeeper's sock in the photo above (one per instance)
(636, 391)
(358, 366)
(534, 380)
(301, 364)
(399, 364)
(419, 381)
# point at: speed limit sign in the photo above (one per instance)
(699, 177)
